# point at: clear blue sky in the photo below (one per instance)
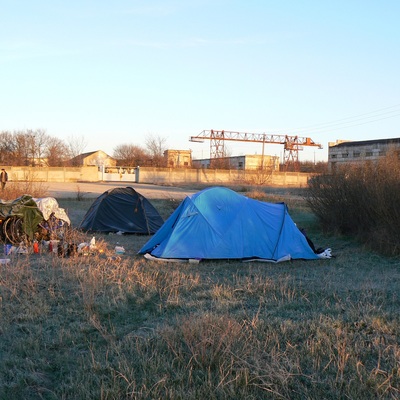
(114, 72)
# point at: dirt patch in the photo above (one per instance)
(85, 190)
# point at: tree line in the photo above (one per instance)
(33, 148)
(36, 148)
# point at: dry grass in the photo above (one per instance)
(108, 327)
(14, 190)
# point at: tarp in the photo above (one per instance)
(218, 223)
(49, 206)
(26, 209)
(122, 210)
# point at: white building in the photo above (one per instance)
(246, 162)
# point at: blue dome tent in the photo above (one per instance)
(218, 223)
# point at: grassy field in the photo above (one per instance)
(103, 327)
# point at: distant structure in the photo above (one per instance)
(98, 158)
(292, 144)
(178, 158)
(343, 151)
(246, 162)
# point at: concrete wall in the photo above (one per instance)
(215, 176)
(53, 174)
(160, 176)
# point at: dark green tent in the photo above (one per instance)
(122, 210)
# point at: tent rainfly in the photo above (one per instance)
(218, 223)
(122, 210)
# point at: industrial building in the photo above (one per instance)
(245, 162)
(178, 158)
(343, 152)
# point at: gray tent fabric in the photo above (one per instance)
(122, 210)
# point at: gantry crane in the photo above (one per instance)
(292, 144)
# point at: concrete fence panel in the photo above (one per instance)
(158, 176)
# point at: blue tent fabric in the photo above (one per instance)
(218, 223)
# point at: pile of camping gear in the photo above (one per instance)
(27, 219)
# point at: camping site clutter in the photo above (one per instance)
(38, 225)
(215, 223)
(27, 221)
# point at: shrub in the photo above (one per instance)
(14, 190)
(257, 194)
(29, 185)
(361, 200)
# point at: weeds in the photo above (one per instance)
(80, 195)
(13, 190)
(362, 201)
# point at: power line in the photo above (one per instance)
(356, 116)
(348, 122)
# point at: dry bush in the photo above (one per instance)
(262, 177)
(361, 200)
(79, 193)
(256, 194)
(30, 186)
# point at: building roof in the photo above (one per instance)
(79, 158)
(84, 155)
(368, 142)
(88, 154)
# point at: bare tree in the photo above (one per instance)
(76, 145)
(56, 152)
(156, 145)
(36, 142)
(7, 148)
(22, 148)
(130, 155)
(31, 148)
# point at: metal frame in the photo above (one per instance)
(292, 144)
